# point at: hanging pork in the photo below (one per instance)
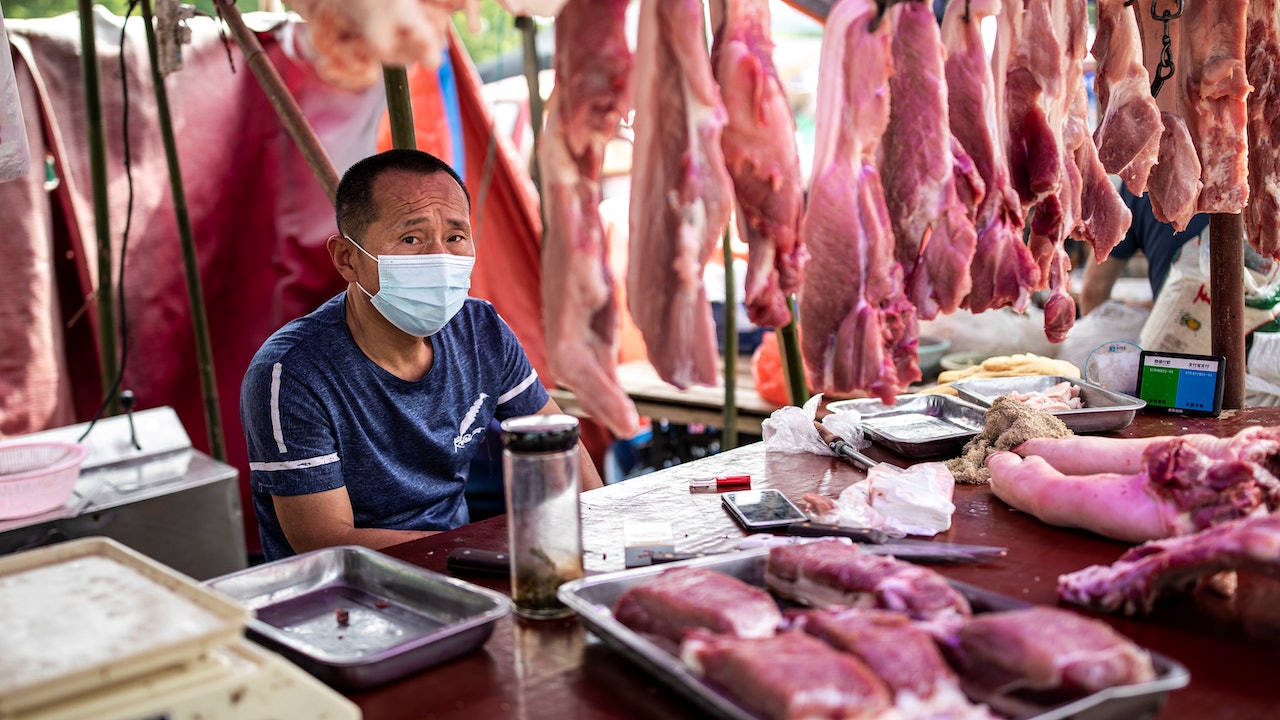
(1262, 64)
(1128, 135)
(1003, 273)
(933, 233)
(760, 148)
(579, 306)
(681, 194)
(859, 328)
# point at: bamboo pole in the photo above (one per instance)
(396, 81)
(792, 363)
(729, 430)
(278, 93)
(190, 261)
(529, 33)
(1226, 293)
(101, 220)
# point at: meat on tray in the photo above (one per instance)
(682, 599)
(1141, 576)
(790, 676)
(760, 149)
(833, 572)
(901, 654)
(1044, 649)
(579, 306)
(860, 331)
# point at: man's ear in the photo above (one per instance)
(341, 253)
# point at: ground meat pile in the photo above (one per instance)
(1009, 423)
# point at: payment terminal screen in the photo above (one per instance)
(1180, 383)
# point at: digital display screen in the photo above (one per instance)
(1181, 383)
(763, 507)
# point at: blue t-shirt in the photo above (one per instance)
(1157, 240)
(318, 414)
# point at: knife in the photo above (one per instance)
(843, 448)
(878, 542)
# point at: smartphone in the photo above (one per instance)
(1181, 383)
(761, 509)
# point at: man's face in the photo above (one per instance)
(417, 215)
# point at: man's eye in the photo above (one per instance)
(457, 238)
(411, 240)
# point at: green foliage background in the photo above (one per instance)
(495, 35)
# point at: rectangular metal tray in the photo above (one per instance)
(918, 426)
(400, 618)
(91, 613)
(593, 599)
(1104, 410)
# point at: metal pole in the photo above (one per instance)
(278, 93)
(729, 433)
(529, 33)
(396, 81)
(1226, 294)
(792, 363)
(101, 220)
(190, 263)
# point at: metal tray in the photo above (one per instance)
(1104, 410)
(593, 599)
(917, 426)
(90, 613)
(400, 618)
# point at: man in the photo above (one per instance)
(362, 417)
(1156, 240)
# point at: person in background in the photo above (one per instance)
(1158, 241)
(363, 416)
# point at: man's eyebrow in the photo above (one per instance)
(457, 223)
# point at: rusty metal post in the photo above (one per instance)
(1226, 294)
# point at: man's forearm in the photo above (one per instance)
(373, 538)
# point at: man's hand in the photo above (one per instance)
(1099, 278)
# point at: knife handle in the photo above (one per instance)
(478, 562)
(813, 529)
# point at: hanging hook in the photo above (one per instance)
(1165, 68)
(966, 11)
(882, 6)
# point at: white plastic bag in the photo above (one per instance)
(911, 501)
(790, 429)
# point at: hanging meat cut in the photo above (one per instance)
(1003, 273)
(1211, 97)
(1262, 65)
(1144, 574)
(681, 193)
(579, 307)
(860, 330)
(1174, 187)
(933, 233)
(1128, 135)
(760, 148)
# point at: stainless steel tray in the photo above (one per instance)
(400, 618)
(918, 426)
(593, 599)
(1104, 410)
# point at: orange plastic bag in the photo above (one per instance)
(766, 370)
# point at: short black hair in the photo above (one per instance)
(354, 198)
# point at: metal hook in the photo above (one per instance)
(966, 11)
(882, 6)
(1166, 15)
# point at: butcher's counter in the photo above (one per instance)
(557, 670)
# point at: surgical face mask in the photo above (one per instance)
(420, 293)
